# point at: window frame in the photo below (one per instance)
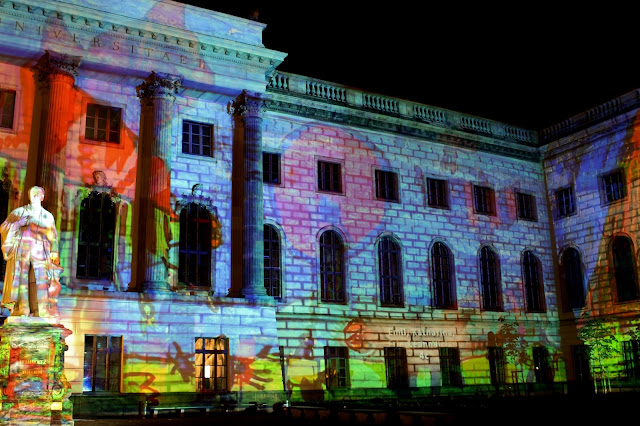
(629, 273)
(190, 122)
(573, 288)
(497, 363)
(187, 249)
(450, 366)
(275, 266)
(84, 247)
(268, 171)
(541, 365)
(390, 272)
(108, 130)
(14, 113)
(443, 277)
(533, 207)
(631, 354)
(559, 194)
(396, 367)
(339, 377)
(333, 180)
(332, 279)
(491, 291)
(620, 173)
(108, 364)
(441, 191)
(200, 379)
(488, 196)
(387, 181)
(535, 297)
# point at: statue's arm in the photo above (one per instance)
(10, 232)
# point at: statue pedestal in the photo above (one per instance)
(34, 388)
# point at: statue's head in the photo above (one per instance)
(36, 192)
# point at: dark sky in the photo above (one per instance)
(529, 66)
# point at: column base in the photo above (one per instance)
(156, 287)
(255, 293)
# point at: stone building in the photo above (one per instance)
(231, 232)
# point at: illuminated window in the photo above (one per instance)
(613, 185)
(566, 201)
(490, 280)
(631, 349)
(212, 363)
(4, 210)
(103, 123)
(272, 272)
(444, 291)
(336, 366)
(329, 177)
(197, 138)
(526, 206)
(541, 364)
(389, 258)
(271, 168)
(534, 291)
(194, 265)
(7, 107)
(483, 198)
(624, 267)
(387, 185)
(450, 366)
(572, 276)
(496, 365)
(102, 363)
(395, 361)
(437, 193)
(96, 237)
(332, 267)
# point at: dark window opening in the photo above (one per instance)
(389, 258)
(103, 123)
(197, 139)
(387, 186)
(102, 363)
(96, 237)
(329, 177)
(194, 264)
(332, 267)
(272, 271)
(442, 274)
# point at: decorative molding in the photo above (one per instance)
(54, 63)
(159, 85)
(247, 104)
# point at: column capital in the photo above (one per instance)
(247, 104)
(159, 85)
(53, 64)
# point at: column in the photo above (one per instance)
(249, 108)
(153, 188)
(56, 74)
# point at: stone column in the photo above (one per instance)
(56, 74)
(249, 108)
(153, 189)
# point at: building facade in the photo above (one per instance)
(229, 231)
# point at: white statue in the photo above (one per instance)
(30, 247)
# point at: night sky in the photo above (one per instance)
(532, 66)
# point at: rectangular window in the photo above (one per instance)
(336, 364)
(395, 361)
(212, 359)
(103, 123)
(631, 349)
(102, 363)
(496, 365)
(387, 186)
(614, 187)
(197, 139)
(437, 193)
(566, 202)
(271, 168)
(329, 178)
(541, 364)
(450, 366)
(526, 206)
(580, 358)
(483, 199)
(7, 108)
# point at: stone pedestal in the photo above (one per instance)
(34, 388)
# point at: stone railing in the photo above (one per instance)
(297, 85)
(610, 109)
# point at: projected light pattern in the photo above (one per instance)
(448, 223)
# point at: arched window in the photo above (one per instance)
(194, 265)
(490, 280)
(96, 237)
(332, 267)
(389, 263)
(572, 277)
(624, 266)
(4, 210)
(272, 275)
(533, 286)
(444, 290)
